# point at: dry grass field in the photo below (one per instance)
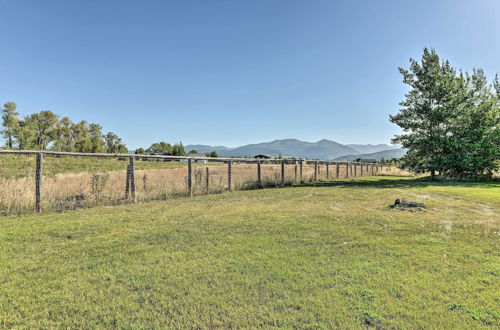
(75, 182)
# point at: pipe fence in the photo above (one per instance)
(125, 178)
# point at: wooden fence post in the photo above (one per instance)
(315, 171)
(38, 182)
(327, 171)
(229, 175)
(300, 170)
(282, 172)
(295, 172)
(355, 169)
(132, 180)
(145, 182)
(190, 177)
(347, 169)
(127, 183)
(361, 169)
(337, 170)
(207, 180)
(259, 174)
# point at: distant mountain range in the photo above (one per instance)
(385, 154)
(323, 149)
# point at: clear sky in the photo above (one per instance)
(233, 72)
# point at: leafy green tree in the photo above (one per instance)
(114, 144)
(178, 150)
(44, 125)
(24, 135)
(192, 151)
(10, 123)
(160, 147)
(450, 122)
(81, 137)
(64, 135)
(97, 142)
(140, 151)
(212, 154)
(43, 130)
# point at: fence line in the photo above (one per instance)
(281, 179)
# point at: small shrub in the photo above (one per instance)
(98, 182)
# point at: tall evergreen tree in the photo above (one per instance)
(450, 121)
(496, 84)
(474, 137)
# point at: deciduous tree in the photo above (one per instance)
(160, 147)
(114, 144)
(97, 142)
(65, 139)
(10, 123)
(44, 125)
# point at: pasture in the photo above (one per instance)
(321, 255)
(70, 182)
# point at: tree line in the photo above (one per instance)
(166, 148)
(163, 148)
(450, 119)
(44, 130)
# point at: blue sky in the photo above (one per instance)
(233, 72)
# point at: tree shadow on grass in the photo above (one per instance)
(398, 183)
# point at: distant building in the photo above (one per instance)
(365, 160)
(296, 161)
(156, 154)
(159, 154)
(202, 161)
(263, 157)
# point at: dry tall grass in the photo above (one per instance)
(65, 191)
(393, 171)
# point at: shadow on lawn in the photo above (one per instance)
(399, 183)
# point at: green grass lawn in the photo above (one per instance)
(327, 256)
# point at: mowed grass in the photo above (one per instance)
(327, 256)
